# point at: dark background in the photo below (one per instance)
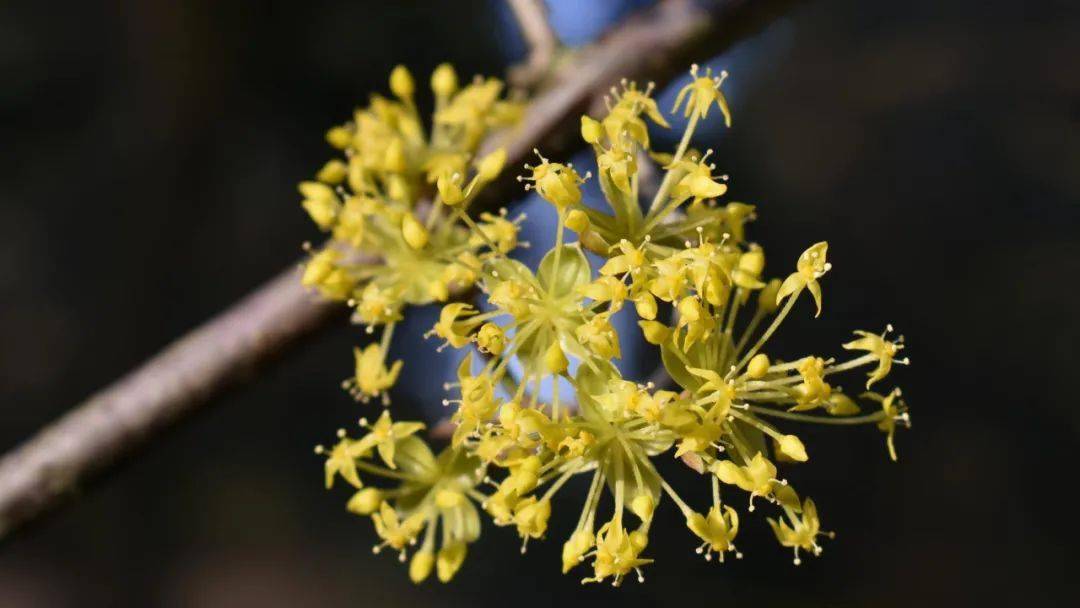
(149, 156)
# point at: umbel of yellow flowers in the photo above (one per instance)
(682, 261)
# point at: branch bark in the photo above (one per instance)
(114, 423)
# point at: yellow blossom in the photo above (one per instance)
(717, 529)
(616, 555)
(371, 376)
(803, 532)
(701, 93)
(342, 461)
(880, 349)
(395, 532)
(809, 268)
(756, 477)
(385, 434)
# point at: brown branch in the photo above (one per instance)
(110, 426)
(531, 16)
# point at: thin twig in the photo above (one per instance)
(111, 425)
(531, 16)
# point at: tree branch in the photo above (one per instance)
(112, 424)
(531, 16)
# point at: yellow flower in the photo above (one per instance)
(498, 230)
(880, 348)
(809, 268)
(616, 555)
(630, 260)
(342, 461)
(351, 221)
(813, 391)
(893, 410)
(385, 434)
(395, 532)
(701, 93)
(324, 273)
(748, 273)
(321, 203)
(619, 166)
(605, 289)
(558, 184)
(803, 532)
(718, 529)
(575, 548)
(699, 184)
(378, 306)
(757, 477)
(695, 319)
(531, 517)
(599, 337)
(371, 376)
(453, 325)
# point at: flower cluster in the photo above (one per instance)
(702, 296)
(394, 207)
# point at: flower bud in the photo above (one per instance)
(792, 448)
(449, 190)
(316, 190)
(767, 297)
(758, 367)
(591, 131)
(491, 338)
(322, 211)
(645, 304)
(413, 231)
(333, 172)
(444, 81)
(655, 332)
(643, 505)
(839, 404)
(574, 548)
(491, 165)
(421, 565)
(401, 82)
(339, 137)
(577, 220)
(449, 561)
(365, 502)
(554, 360)
(394, 158)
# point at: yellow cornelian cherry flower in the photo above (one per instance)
(384, 436)
(342, 461)
(803, 531)
(893, 410)
(810, 267)
(392, 244)
(556, 183)
(702, 93)
(879, 349)
(371, 377)
(538, 400)
(758, 477)
(717, 528)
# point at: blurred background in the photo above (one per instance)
(150, 155)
